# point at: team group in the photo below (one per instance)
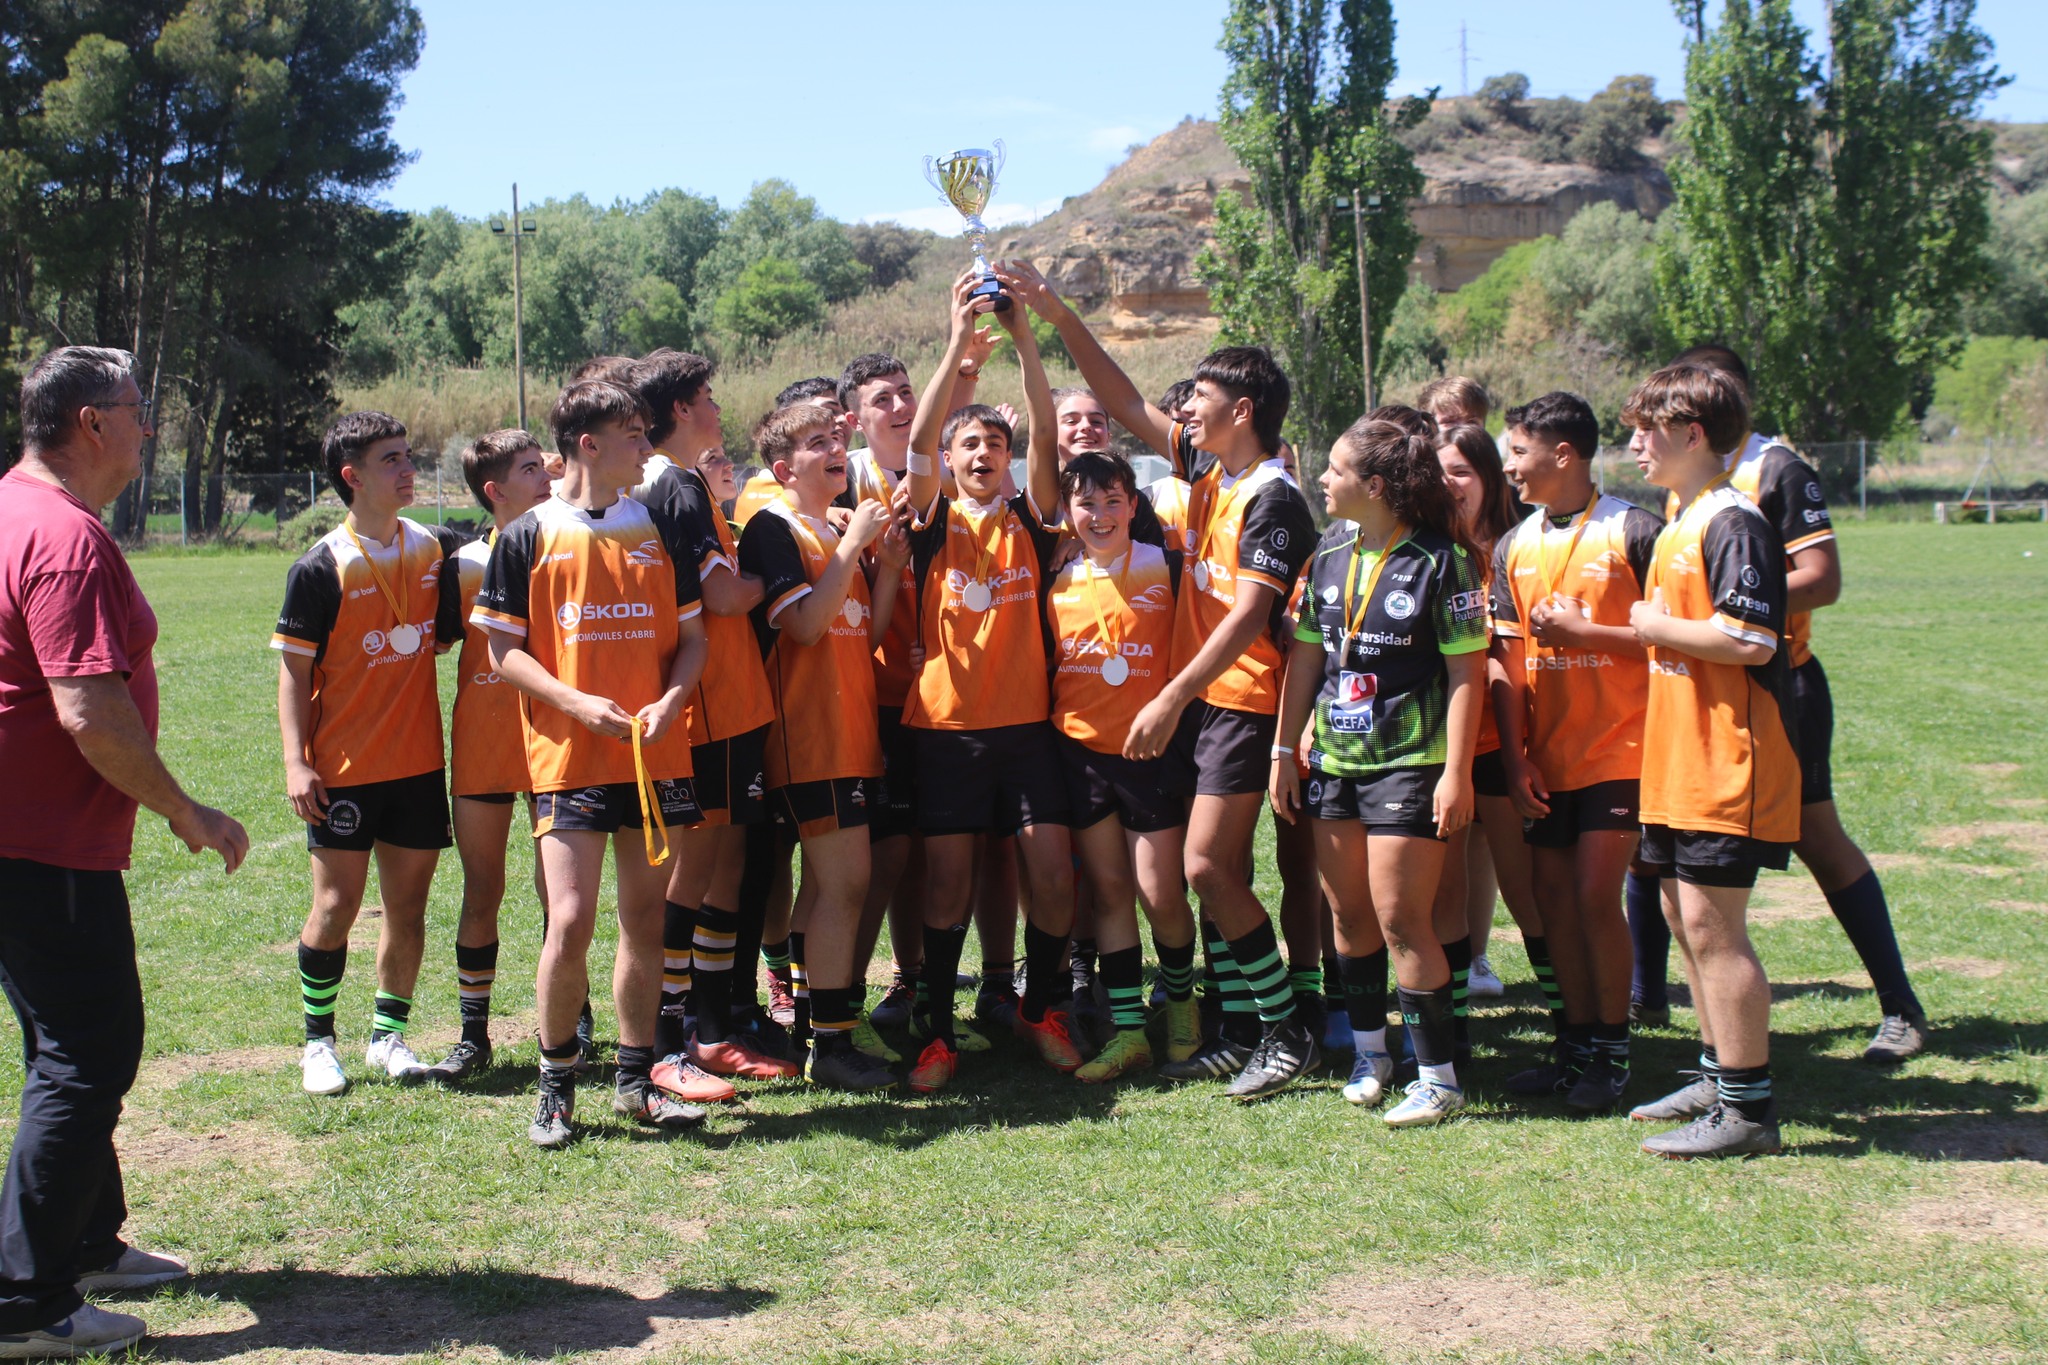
(956, 699)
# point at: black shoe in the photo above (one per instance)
(464, 1060)
(1555, 1076)
(1285, 1054)
(1216, 1060)
(996, 1007)
(1600, 1086)
(1648, 1016)
(1313, 1015)
(848, 1068)
(894, 1009)
(586, 1043)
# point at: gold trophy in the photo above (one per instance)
(967, 180)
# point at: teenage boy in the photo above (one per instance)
(1455, 400)
(592, 605)
(1571, 727)
(1787, 491)
(1720, 787)
(728, 717)
(985, 762)
(818, 624)
(505, 471)
(1250, 533)
(366, 610)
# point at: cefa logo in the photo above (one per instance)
(573, 614)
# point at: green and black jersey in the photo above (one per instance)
(1385, 694)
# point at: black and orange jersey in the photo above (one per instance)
(1386, 622)
(1169, 499)
(1255, 528)
(755, 494)
(596, 598)
(376, 710)
(488, 748)
(867, 480)
(731, 697)
(980, 571)
(1787, 491)
(1582, 721)
(1102, 616)
(1718, 752)
(824, 693)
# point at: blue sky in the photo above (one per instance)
(617, 98)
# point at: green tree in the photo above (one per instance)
(769, 300)
(1506, 97)
(2014, 301)
(1600, 277)
(776, 221)
(1615, 123)
(1304, 109)
(1832, 218)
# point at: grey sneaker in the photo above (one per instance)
(134, 1269)
(656, 1108)
(88, 1331)
(1718, 1132)
(550, 1126)
(1696, 1096)
(464, 1060)
(1900, 1036)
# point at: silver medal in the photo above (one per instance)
(1201, 576)
(976, 596)
(1115, 670)
(405, 639)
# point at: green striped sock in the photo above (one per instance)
(389, 1015)
(1257, 955)
(1122, 973)
(320, 971)
(1309, 982)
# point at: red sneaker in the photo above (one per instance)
(681, 1077)
(734, 1058)
(781, 999)
(1050, 1039)
(935, 1067)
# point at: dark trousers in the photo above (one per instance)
(67, 963)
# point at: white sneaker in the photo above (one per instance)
(1482, 984)
(136, 1269)
(1427, 1103)
(391, 1056)
(88, 1331)
(1370, 1073)
(320, 1069)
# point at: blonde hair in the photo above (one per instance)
(1680, 394)
(1462, 392)
(776, 435)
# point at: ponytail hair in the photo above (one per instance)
(1405, 460)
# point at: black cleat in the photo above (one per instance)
(848, 1068)
(1216, 1060)
(1285, 1054)
(1600, 1085)
(464, 1060)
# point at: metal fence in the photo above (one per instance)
(253, 509)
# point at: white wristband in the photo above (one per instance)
(1282, 751)
(919, 463)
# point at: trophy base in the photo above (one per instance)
(991, 288)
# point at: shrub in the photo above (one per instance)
(1506, 97)
(1556, 123)
(299, 534)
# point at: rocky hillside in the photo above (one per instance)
(1126, 249)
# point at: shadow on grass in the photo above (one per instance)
(520, 1314)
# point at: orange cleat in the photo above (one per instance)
(935, 1067)
(734, 1058)
(1050, 1039)
(684, 1079)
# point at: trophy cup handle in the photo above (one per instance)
(995, 172)
(931, 175)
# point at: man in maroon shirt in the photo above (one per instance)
(78, 708)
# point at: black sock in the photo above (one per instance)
(713, 953)
(1240, 1013)
(757, 877)
(1458, 953)
(1257, 955)
(1710, 1062)
(1860, 908)
(1428, 1017)
(1365, 990)
(998, 977)
(475, 970)
(558, 1065)
(1083, 955)
(832, 1018)
(320, 972)
(1176, 969)
(389, 1014)
(941, 965)
(1333, 978)
(678, 931)
(1123, 981)
(1652, 939)
(636, 1067)
(1611, 1041)
(1538, 949)
(1042, 954)
(1746, 1090)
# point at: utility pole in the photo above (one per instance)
(1362, 205)
(518, 227)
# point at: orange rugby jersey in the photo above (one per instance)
(1133, 600)
(596, 599)
(376, 712)
(1583, 708)
(488, 746)
(824, 692)
(868, 481)
(1169, 499)
(731, 698)
(755, 494)
(1255, 528)
(1717, 752)
(983, 668)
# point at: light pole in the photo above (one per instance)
(1360, 205)
(518, 227)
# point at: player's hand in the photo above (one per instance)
(1557, 622)
(1283, 789)
(1021, 280)
(967, 307)
(1065, 552)
(307, 793)
(892, 552)
(1526, 792)
(657, 716)
(866, 525)
(916, 656)
(1645, 618)
(837, 518)
(1153, 729)
(203, 827)
(600, 714)
(1008, 414)
(1452, 804)
(981, 344)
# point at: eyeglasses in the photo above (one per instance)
(144, 408)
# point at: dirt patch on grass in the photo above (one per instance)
(242, 1144)
(163, 1073)
(1782, 900)
(2017, 1139)
(1995, 771)
(2007, 1204)
(2021, 907)
(2023, 803)
(1479, 1316)
(2022, 836)
(1977, 968)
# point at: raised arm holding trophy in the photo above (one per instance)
(967, 181)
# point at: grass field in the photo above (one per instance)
(1024, 1217)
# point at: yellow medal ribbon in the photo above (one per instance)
(391, 599)
(1114, 650)
(984, 555)
(650, 803)
(1357, 604)
(1550, 580)
(1221, 505)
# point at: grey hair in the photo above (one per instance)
(62, 382)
